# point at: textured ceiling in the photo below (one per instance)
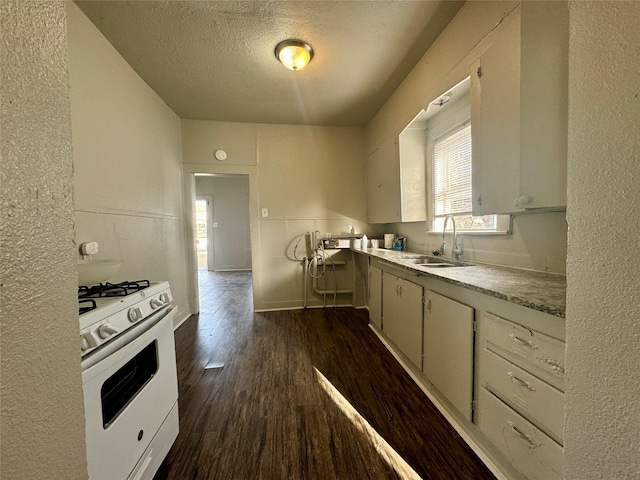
(214, 60)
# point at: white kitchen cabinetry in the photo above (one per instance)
(502, 384)
(374, 300)
(402, 304)
(383, 183)
(531, 451)
(413, 193)
(519, 113)
(536, 352)
(521, 399)
(396, 179)
(448, 350)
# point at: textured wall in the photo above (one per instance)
(603, 262)
(127, 164)
(42, 421)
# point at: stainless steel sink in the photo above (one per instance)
(420, 260)
(434, 262)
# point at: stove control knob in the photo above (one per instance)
(134, 314)
(87, 341)
(106, 330)
(164, 298)
(155, 303)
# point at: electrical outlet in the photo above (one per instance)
(265, 212)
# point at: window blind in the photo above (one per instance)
(452, 172)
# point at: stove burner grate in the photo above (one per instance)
(86, 308)
(103, 290)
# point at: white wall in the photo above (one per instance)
(308, 177)
(602, 424)
(539, 240)
(42, 421)
(127, 164)
(231, 239)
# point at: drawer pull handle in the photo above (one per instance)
(519, 381)
(521, 434)
(519, 340)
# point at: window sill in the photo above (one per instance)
(471, 232)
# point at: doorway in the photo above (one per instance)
(194, 174)
(222, 205)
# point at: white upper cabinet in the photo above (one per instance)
(396, 179)
(519, 113)
(383, 183)
(413, 194)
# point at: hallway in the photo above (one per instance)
(301, 394)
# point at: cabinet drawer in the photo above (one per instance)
(532, 452)
(535, 352)
(536, 400)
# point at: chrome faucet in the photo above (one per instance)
(456, 251)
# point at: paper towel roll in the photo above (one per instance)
(388, 240)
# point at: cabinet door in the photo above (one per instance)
(402, 316)
(375, 296)
(448, 349)
(544, 104)
(495, 124)
(383, 183)
(412, 161)
(519, 113)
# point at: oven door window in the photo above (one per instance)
(123, 386)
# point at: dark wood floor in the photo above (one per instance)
(306, 394)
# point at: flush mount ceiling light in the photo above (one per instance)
(294, 54)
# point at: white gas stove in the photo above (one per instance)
(129, 377)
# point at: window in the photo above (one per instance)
(451, 184)
(452, 172)
(449, 166)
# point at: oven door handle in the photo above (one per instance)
(126, 337)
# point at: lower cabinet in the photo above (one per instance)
(448, 349)
(521, 397)
(402, 315)
(498, 365)
(374, 298)
(529, 449)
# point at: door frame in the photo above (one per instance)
(189, 183)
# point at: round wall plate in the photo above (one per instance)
(220, 155)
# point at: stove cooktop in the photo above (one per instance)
(111, 309)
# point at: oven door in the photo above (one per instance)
(127, 396)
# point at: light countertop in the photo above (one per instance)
(545, 292)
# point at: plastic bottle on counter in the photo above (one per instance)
(365, 241)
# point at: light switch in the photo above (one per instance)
(265, 212)
(215, 225)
